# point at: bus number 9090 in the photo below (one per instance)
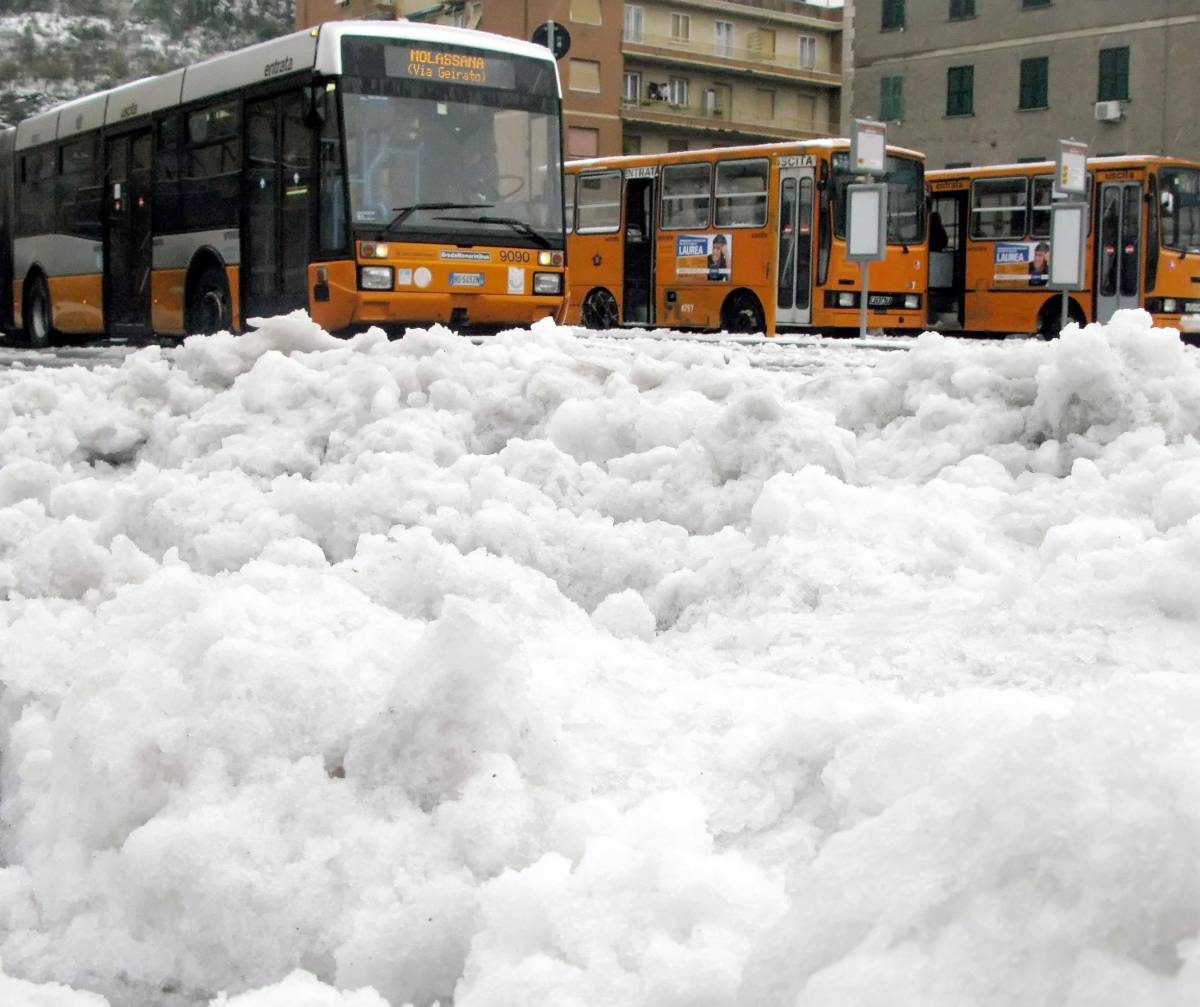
(513, 255)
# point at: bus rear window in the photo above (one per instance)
(599, 202)
(998, 207)
(742, 193)
(685, 196)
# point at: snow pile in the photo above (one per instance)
(571, 672)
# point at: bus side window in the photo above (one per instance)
(599, 203)
(569, 200)
(998, 208)
(742, 193)
(685, 196)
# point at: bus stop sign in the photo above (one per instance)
(554, 37)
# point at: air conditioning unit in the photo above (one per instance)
(1108, 111)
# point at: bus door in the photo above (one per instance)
(793, 303)
(277, 206)
(638, 302)
(127, 233)
(948, 258)
(1118, 248)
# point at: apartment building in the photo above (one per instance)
(996, 81)
(656, 76)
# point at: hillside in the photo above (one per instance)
(52, 51)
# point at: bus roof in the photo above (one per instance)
(760, 149)
(1031, 167)
(316, 49)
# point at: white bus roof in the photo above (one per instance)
(316, 49)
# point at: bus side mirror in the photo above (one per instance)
(314, 106)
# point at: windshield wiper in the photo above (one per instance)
(404, 212)
(517, 225)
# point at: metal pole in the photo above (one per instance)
(1063, 323)
(862, 313)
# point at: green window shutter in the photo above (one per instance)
(1035, 82)
(961, 9)
(893, 14)
(1026, 4)
(960, 90)
(1114, 74)
(891, 99)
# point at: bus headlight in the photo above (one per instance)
(1169, 305)
(550, 258)
(912, 301)
(846, 299)
(547, 283)
(375, 278)
(374, 250)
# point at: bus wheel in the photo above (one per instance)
(209, 305)
(600, 310)
(742, 313)
(38, 330)
(1050, 317)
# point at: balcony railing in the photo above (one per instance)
(743, 56)
(716, 119)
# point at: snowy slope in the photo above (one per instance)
(570, 672)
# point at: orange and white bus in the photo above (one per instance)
(989, 240)
(742, 239)
(370, 172)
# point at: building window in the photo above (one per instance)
(632, 91)
(762, 43)
(961, 9)
(677, 91)
(893, 15)
(891, 99)
(635, 21)
(1114, 74)
(1035, 82)
(631, 145)
(764, 101)
(676, 146)
(960, 90)
(723, 38)
(808, 52)
(582, 142)
(1030, 4)
(681, 27)
(585, 11)
(585, 75)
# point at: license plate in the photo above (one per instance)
(466, 279)
(880, 300)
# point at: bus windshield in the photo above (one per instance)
(906, 197)
(1181, 208)
(452, 145)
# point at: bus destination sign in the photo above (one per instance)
(446, 67)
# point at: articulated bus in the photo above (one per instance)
(989, 240)
(369, 172)
(741, 239)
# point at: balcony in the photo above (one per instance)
(736, 58)
(662, 113)
(792, 10)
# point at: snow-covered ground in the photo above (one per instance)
(589, 673)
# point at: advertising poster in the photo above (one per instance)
(1022, 262)
(709, 255)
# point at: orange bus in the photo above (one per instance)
(741, 239)
(989, 240)
(370, 172)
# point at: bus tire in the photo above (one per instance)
(1050, 317)
(209, 305)
(37, 327)
(743, 313)
(599, 310)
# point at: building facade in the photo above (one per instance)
(1000, 81)
(654, 76)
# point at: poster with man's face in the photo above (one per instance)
(709, 255)
(1024, 262)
